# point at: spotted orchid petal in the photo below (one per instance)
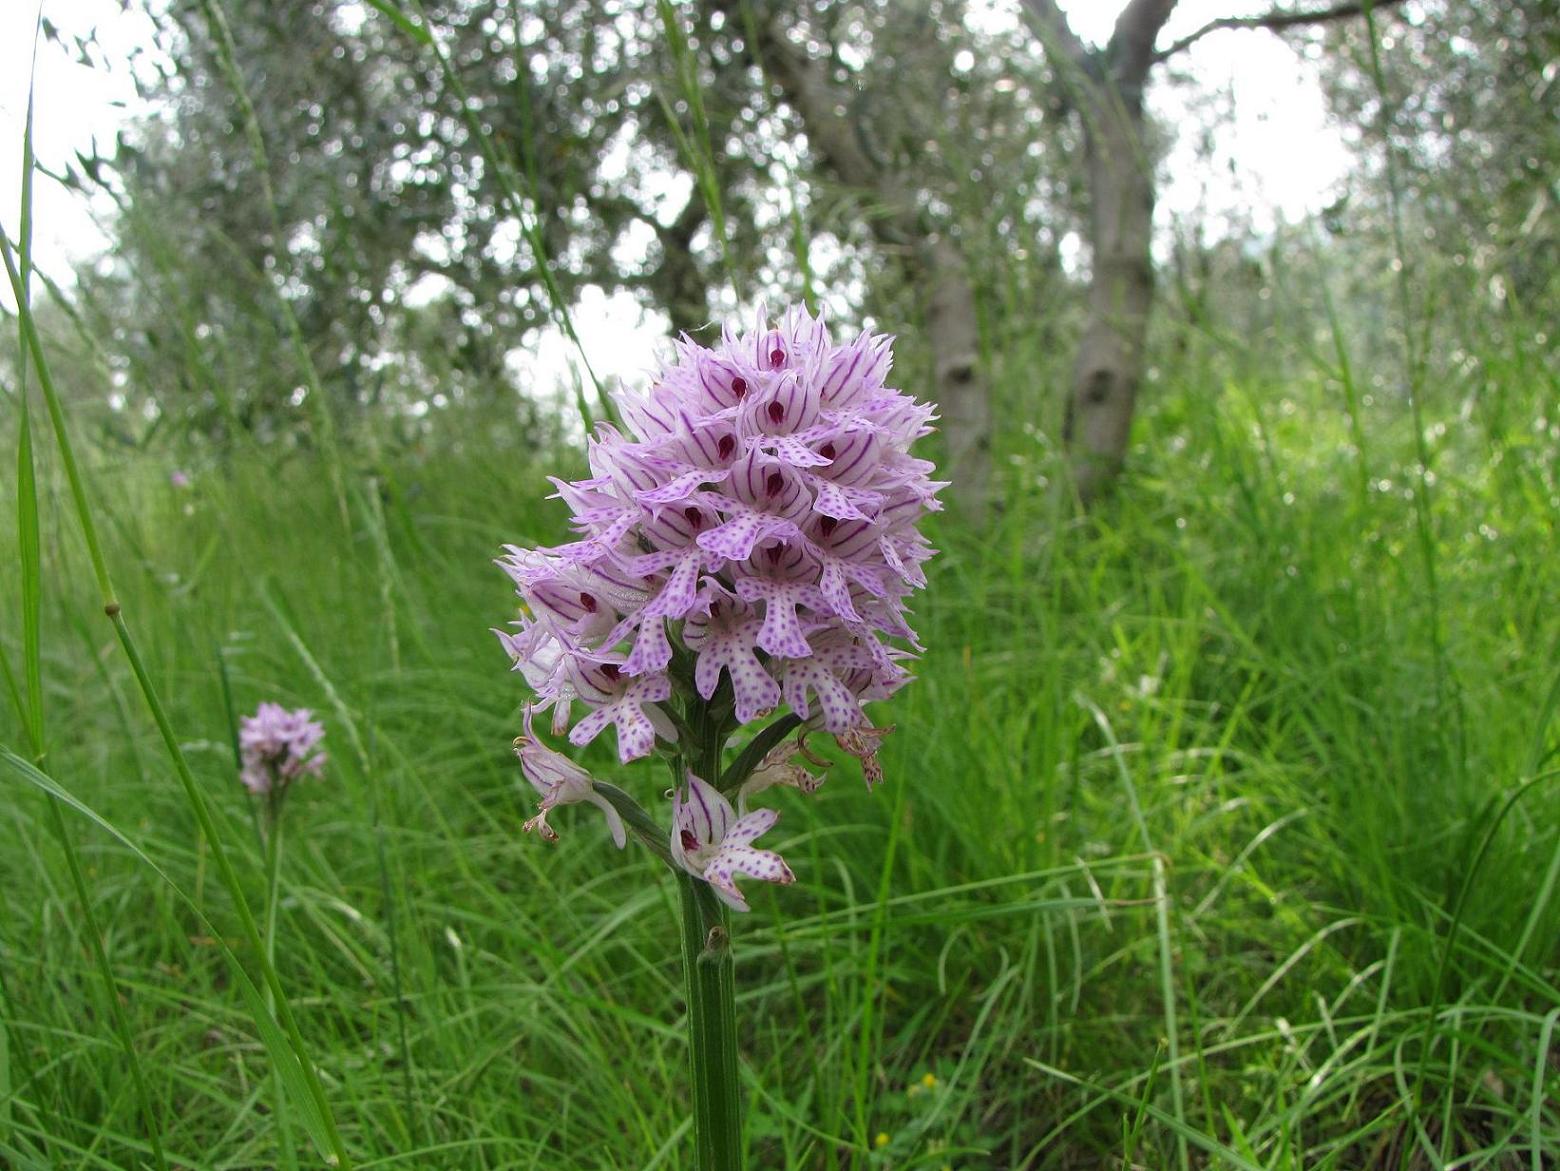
(711, 842)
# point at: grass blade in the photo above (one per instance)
(30, 546)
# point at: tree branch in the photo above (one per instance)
(1276, 21)
(834, 135)
(807, 87)
(1131, 48)
(1056, 33)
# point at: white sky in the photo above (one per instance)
(1289, 159)
(74, 105)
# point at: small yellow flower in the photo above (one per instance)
(882, 1139)
(929, 1081)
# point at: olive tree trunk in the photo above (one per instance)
(1105, 87)
(964, 401)
(1110, 361)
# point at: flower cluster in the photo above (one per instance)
(277, 747)
(749, 537)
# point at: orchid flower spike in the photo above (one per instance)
(560, 781)
(276, 747)
(711, 842)
(759, 509)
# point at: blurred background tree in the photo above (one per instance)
(322, 199)
(1472, 103)
(365, 205)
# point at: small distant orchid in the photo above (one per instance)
(277, 747)
(747, 541)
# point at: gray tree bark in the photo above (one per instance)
(1106, 87)
(1109, 366)
(964, 399)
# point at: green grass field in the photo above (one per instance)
(1220, 828)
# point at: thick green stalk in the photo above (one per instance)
(30, 543)
(710, 975)
(712, 1028)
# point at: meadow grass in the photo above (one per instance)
(1221, 827)
(1210, 839)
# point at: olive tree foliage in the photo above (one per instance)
(1105, 86)
(873, 87)
(1463, 100)
(324, 201)
(266, 220)
(1467, 100)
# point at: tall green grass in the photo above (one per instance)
(1221, 827)
(1177, 849)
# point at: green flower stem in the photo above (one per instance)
(712, 1027)
(287, 1147)
(708, 967)
(710, 976)
(32, 710)
(273, 859)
